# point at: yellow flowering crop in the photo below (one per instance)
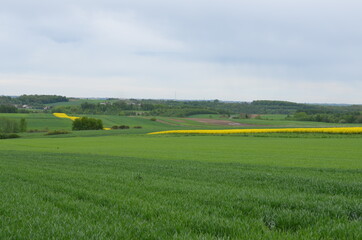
(63, 115)
(349, 130)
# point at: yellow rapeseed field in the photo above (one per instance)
(348, 130)
(63, 115)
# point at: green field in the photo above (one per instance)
(46, 121)
(43, 121)
(124, 184)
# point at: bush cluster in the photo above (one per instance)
(57, 132)
(120, 127)
(6, 136)
(85, 123)
(37, 130)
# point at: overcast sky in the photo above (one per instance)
(300, 50)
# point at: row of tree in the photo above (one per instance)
(7, 108)
(126, 108)
(12, 126)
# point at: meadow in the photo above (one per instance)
(125, 184)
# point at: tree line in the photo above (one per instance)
(12, 126)
(179, 108)
(347, 117)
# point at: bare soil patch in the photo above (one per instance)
(168, 123)
(254, 115)
(178, 120)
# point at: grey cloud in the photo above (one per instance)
(207, 45)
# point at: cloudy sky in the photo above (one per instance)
(243, 50)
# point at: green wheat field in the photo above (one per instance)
(125, 184)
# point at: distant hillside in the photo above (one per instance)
(179, 108)
(32, 101)
(186, 108)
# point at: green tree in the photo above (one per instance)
(23, 125)
(8, 126)
(8, 109)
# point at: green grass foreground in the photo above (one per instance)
(180, 187)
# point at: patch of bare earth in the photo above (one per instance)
(220, 122)
(164, 122)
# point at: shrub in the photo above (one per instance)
(85, 123)
(37, 130)
(153, 119)
(6, 136)
(56, 132)
(137, 127)
(120, 127)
